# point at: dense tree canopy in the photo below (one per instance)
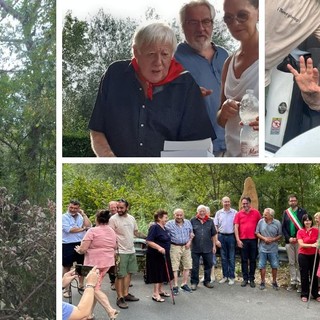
(27, 159)
(149, 187)
(27, 98)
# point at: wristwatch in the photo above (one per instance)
(89, 286)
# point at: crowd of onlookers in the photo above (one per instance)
(181, 244)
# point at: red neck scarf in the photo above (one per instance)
(204, 219)
(175, 70)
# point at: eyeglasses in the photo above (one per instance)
(245, 203)
(241, 17)
(206, 23)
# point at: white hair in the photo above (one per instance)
(155, 32)
(201, 206)
(271, 211)
(196, 3)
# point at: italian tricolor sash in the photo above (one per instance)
(294, 219)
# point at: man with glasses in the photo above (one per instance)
(291, 223)
(245, 223)
(125, 227)
(203, 59)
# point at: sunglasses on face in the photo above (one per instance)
(240, 17)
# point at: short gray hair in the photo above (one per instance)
(201, 206)
(177, 210)
(154, 32)
(271, 211)
(196, 3)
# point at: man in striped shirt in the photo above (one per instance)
(181, 233)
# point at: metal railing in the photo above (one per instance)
(141, 247)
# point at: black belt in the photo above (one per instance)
(226, 234)
(178, 244)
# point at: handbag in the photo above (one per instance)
(115, 269)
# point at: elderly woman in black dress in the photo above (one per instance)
(158, 241)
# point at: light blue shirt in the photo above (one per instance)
(67, 309)
(180, 234)
(206, 75)
(224, 220)
(69, 222)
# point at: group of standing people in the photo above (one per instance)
(112, 236)
(185, 242)
(168, 85)
(182, 243)
(162, 74)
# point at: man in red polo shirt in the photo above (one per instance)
(245, 223)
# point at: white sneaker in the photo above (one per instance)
(231, 282)
(223, 280)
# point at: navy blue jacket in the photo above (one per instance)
(136, 126)
(286, 223)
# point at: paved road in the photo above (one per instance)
(223, 302)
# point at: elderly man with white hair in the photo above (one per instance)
(147, 100)
(203, 245)
(269, 231)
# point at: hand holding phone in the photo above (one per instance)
(82, 270)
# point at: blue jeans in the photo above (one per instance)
(249, 254)
(207, 265)
(272, 257)
(228, 257)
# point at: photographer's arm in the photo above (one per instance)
(68, 277)
(83, 309)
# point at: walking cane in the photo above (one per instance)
(314, 266)
(169, 280)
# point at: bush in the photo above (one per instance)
(28, 260)
(77, 145)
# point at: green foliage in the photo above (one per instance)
(88, 48)
(27, 98)
(149, 187)
(28, 267)
(77, 145)
(222, 37)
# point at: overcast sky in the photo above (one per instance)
(167, 9)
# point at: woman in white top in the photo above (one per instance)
(240, 71)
